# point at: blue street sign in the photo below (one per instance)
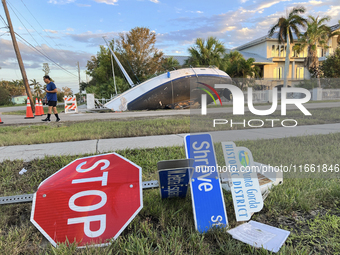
(206, 192)
(174, 182)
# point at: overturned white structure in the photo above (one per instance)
(169, 88)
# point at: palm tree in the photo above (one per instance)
(37, 87)
(170, 63)
(317, 34)
(206, 52)
(286, 26)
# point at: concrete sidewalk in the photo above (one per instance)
(30, 152)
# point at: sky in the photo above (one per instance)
(65, 32)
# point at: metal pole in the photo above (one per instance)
(113, 74)
(17, 52)
(79, 78)
(29, 197)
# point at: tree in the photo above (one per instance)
(14, 87)
(37, 88)
(240, 70)
(206, 52)
(138, 52)
(46, 68)
(331, 66)
(317, 34)
(100, 69)
(106, 89)
(170, 63)
(67, 91)
(5, 97)
(286, 26)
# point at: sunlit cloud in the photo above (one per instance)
(110, 2)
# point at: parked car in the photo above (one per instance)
(44, 101)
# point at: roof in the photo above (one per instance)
(274, 37)
(180, 59)
(335, 27)
(260, 40)
(258, 59)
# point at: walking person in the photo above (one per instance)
(51, 94)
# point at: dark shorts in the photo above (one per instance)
(52, 103)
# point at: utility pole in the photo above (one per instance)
(113, 74)
(113, 70)
(17, 52)
(79, 78)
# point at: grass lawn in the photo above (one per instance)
(101, 129)
(308, 207)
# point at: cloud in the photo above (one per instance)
(33, 59)
(195, 12)
(315, 2)
(155, 1)
(51, 31)
(110, 2)
(92, 39)
(61, 1)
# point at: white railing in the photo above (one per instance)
(330, 94)
(258, 96)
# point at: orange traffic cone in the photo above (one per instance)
(29, 113)
(41, 108)
(1, 121)
(37, 108)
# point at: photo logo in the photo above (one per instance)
(238, 100)
(208, 92)
(244, 158)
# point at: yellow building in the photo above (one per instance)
(270, 57)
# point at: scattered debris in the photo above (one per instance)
(22, 171)
(260, 235)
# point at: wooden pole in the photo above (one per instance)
(17, 52)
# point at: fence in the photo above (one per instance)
(264, 96)
(330, 94)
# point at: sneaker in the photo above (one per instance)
(46, 119)
(57, 120)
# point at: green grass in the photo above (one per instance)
(102, 129)
(60, 108)
(308, 207)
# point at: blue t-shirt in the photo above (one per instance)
(51, 96)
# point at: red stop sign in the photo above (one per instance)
(90, 201)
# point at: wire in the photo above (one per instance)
(43, 30)
(12, 8)
(45, 55)
(3, 20)
(3, 34)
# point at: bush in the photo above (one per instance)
(5, 97)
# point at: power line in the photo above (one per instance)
(3, 20)
(43, 30)
(10, 5)
(45, 55)
(42, 53)
(3, 34)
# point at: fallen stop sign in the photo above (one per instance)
(90, 201)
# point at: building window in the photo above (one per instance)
(278, 73)
(320, 52)
(273, 50)
(300, 73)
